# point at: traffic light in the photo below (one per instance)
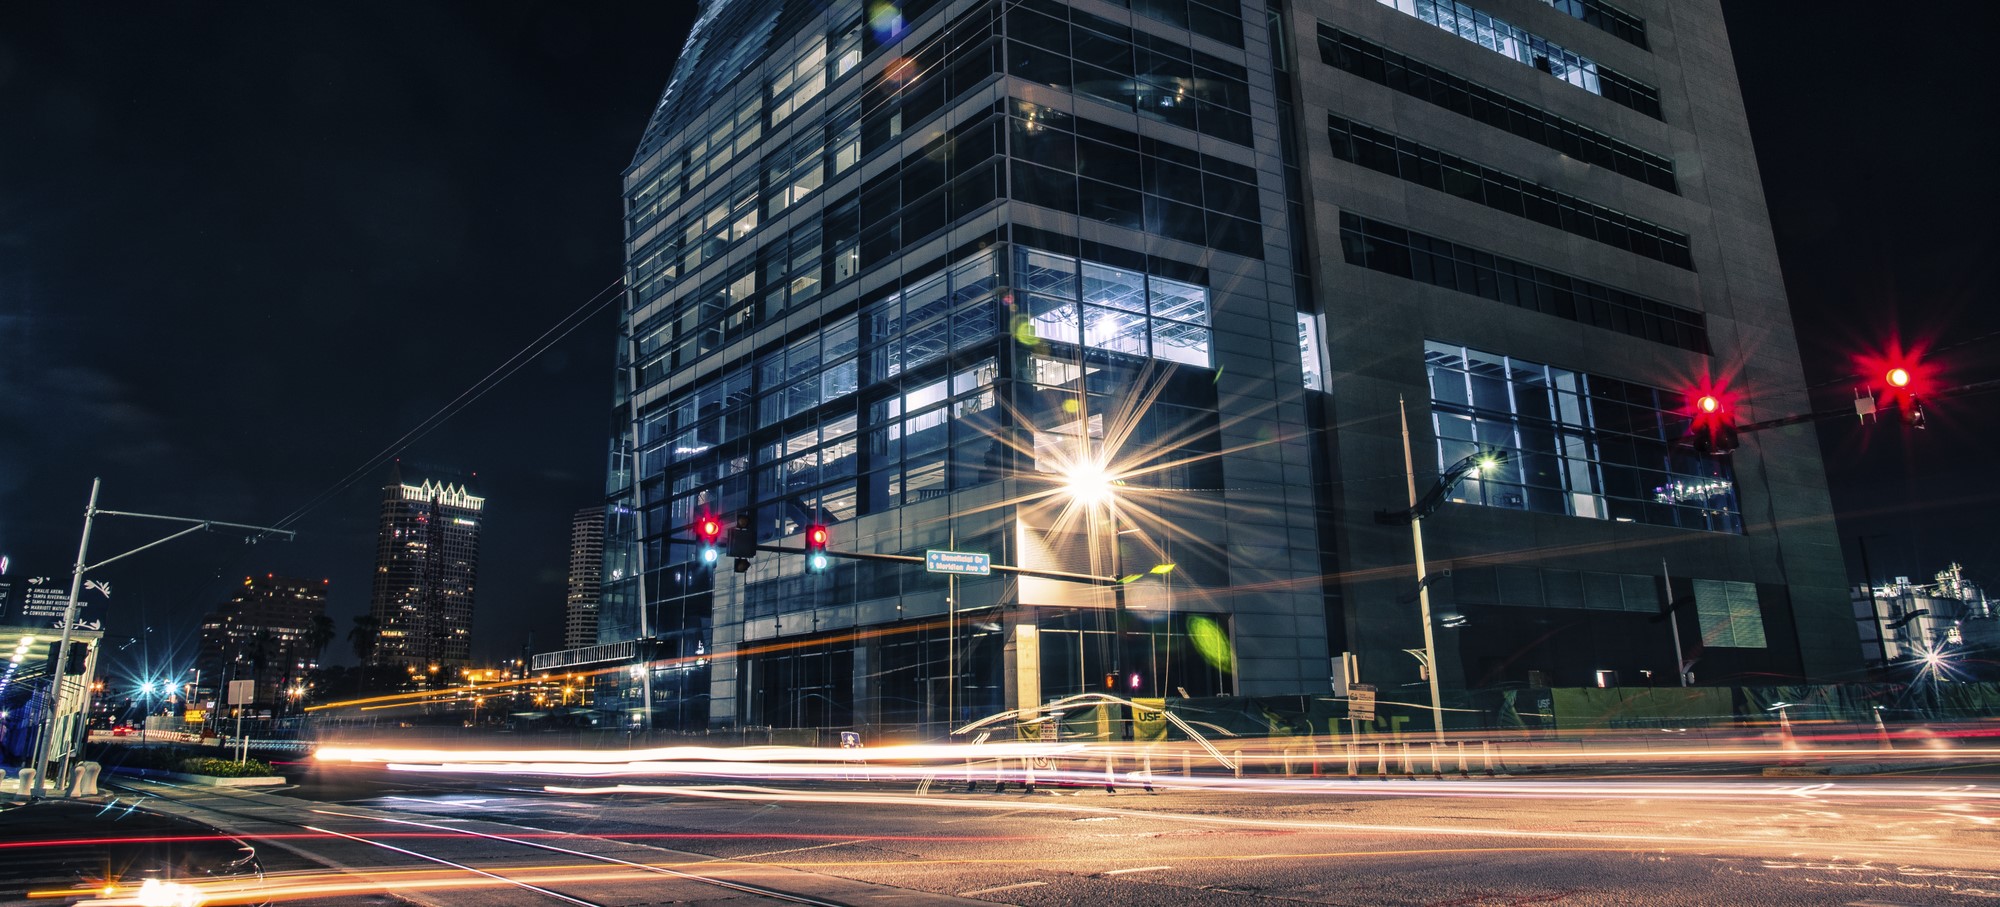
(1711, 427)
(708, 531)
(816, 558)
(1906, 382)
(742, 543)
(1903, 385)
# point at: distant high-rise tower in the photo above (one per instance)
(263, 633)
(426, 564)
(586, 573)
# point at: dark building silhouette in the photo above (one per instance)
(263, 633)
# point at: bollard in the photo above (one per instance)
(85, 784)
(1146, 769)
(1409, 761)
(1437, 768)
(1110, 774)
(1353, 762)
(1486, 755)
(1028, 774)
(1464, 770)
(1187, 765)
(1285, 756)
(27, 788)
(1381, 759)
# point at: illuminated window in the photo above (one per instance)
(1577, 444)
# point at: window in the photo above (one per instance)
(1728, 614)
(1114, 310)
(799, 82)
(1577, 444)
(1378, 64)
(1619, 23)
(1399, 157)
(1505, 39)
(1093, 170)
(1391, 249)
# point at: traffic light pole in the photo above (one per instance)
(61, 665)
(913, 559)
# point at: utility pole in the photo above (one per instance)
(1423, 588)
(61, 665)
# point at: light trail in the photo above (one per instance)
(1920, 850)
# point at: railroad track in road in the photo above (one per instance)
(451, 862)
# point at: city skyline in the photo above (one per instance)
(108, 363)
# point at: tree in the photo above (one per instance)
(366, 633)
(321, 635)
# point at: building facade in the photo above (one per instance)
(1091, 288)
(426, 574)
(1947, 623)
(264, 633)
(586, 578)
(1540, 226)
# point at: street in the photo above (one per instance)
(1596, 841)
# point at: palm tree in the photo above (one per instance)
(321, 635)
(366, 633)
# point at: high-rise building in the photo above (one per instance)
(1541, 226)
(426, 569)
(264, 633)
(586, 578)
(1132, 289)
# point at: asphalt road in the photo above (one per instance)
(1501, 841)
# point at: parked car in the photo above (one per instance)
(122, 730)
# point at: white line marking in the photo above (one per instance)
(967, 894)
(1120, 872)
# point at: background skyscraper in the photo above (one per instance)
(270, 632)
(586, 577)
(426, 569)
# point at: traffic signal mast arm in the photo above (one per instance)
(1959, 391)
(913, 559)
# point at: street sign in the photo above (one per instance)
(963, 562)
(242, 692)
(1361, 702)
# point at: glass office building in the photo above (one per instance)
(1129, 289)
(905, 271)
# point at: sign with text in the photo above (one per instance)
(964, 562)
(242, 692)
(42, 601)
(1361, 702)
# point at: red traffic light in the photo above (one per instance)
(708, 528)
(1708, 404)
(1898, 377)
(816, 559)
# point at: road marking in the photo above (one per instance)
(967, 894)
(1120, 872)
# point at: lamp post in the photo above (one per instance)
(58, 669)
(1090, 486)
(1480, 460)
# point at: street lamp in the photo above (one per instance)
(1481, 461)
(1090, 486)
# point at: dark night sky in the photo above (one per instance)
(244, 248)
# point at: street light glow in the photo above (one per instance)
(1088, 483)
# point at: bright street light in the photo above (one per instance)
(1088, 484)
